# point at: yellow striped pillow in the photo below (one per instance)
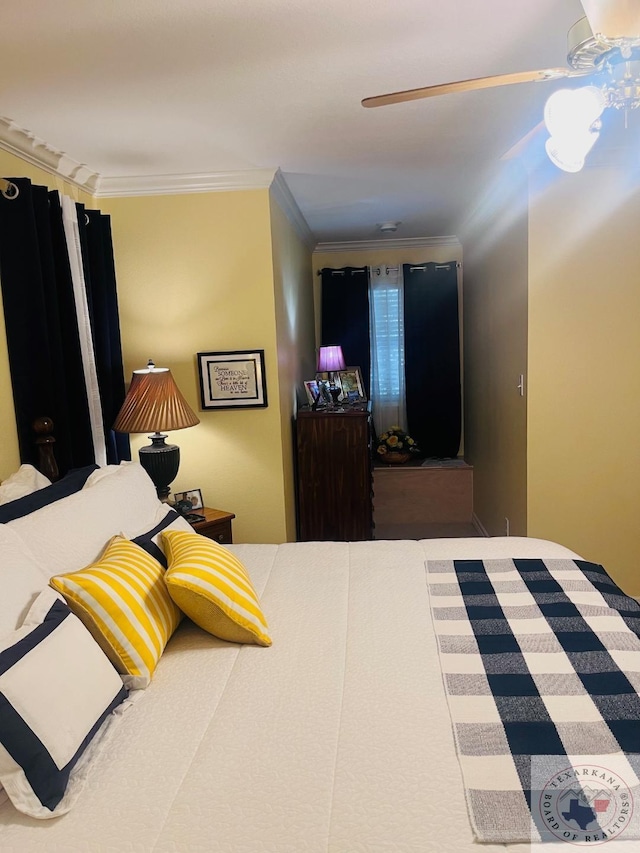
(123, 601)
(212, 587)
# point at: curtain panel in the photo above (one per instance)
(345, 316)
(47, 261)
(102, 299)
(432, 357)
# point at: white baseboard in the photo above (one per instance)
(478, 525)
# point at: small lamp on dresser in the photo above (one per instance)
(153, 404)
(330, 360)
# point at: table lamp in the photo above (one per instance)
(330, 360)
(154, 403)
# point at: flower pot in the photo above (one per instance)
(395, 458)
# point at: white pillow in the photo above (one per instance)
(104, 471)
(150, 537)
(21, 580)
(71, 533)
(24, 481)
(57, 694)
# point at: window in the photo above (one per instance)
(387, 347)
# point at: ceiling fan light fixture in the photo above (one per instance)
(572, 117)
(605, 43)
(568, 111)
(569, 152)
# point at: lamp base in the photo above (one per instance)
(161, 462)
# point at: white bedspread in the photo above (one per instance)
(336, 739)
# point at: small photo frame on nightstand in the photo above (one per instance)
(188, 503)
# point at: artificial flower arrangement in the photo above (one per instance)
(396, 440)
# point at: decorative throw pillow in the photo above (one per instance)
(211, 586)
(123, 601)
(57, 692)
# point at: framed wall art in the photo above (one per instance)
(232, 380)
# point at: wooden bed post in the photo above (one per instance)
(43, 428)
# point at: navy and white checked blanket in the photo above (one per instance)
(540, 659)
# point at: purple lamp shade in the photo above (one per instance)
(330, 359)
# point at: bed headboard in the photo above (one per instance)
(47, 465)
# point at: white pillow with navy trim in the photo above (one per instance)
(150, 538)
(67, 535)
(57, 694)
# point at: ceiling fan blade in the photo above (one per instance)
(613, 18)
(469, 85)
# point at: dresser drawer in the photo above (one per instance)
(216, 525)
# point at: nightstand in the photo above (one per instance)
(216, 525)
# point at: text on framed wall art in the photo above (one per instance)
(232, 380)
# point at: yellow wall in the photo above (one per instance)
(495, 301)
(551, 291)
(584, 369)
(11, 166)
(206, 272)
(295, 338)
(195, 274)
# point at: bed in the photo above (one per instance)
(338, 737)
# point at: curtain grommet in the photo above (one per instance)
(10, 191)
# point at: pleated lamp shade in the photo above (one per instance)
(330, 359)
(153, 404)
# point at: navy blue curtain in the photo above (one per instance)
(102, 299)
(345, 316)
(42, 332)
(432, 357)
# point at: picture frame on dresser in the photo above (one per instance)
(350, 380)
(324, 394)
(312, 391)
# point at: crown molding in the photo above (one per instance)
(25, 145)
(205, 182)
(393, 243)
(30, 148)
(283, 196)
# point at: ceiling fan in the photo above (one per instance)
(604, 46)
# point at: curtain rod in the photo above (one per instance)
(422, 267)
(341, 272)
(378, 270)
(8, 189)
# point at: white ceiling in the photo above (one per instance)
(136, 88)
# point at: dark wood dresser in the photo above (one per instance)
(333, 450)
